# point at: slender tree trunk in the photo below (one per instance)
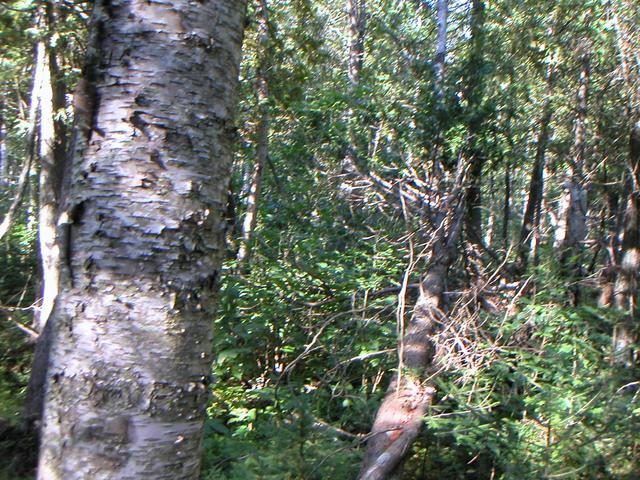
(51, 151)
(130, 362)
(32, 119)
(474, 93)
(356, 10)
(611, 224)
(625, 290)
(262, 136)
(3, 145)
(441, 48)
(575, 216)
(473, 218)
(624, 34)
(489, 231)
(47, 202)
(357, 29)
(506, 211)
(626, 285)
(51, 154)
(531, 217)
(23, 182)
(59, 99)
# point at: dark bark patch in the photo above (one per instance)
(155, 158)
(120, 428)
(142, 100)
(211, 281)
(116, 431)
(109, 389)
(139, 123)
(77, 212)
(113, 455)
(108, 8)
(176, 402)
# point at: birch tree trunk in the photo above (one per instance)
(50, 153)
(262, 136)
(142, 233)
(627, 49)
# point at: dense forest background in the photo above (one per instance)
(475, 163)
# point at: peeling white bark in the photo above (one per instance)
(130, 362)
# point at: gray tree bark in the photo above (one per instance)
(357, 30)
(143, 239)
(441, 48)
(357, 27)
(625, 291)
(625, 285)
(531, 218)
(608, 273)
